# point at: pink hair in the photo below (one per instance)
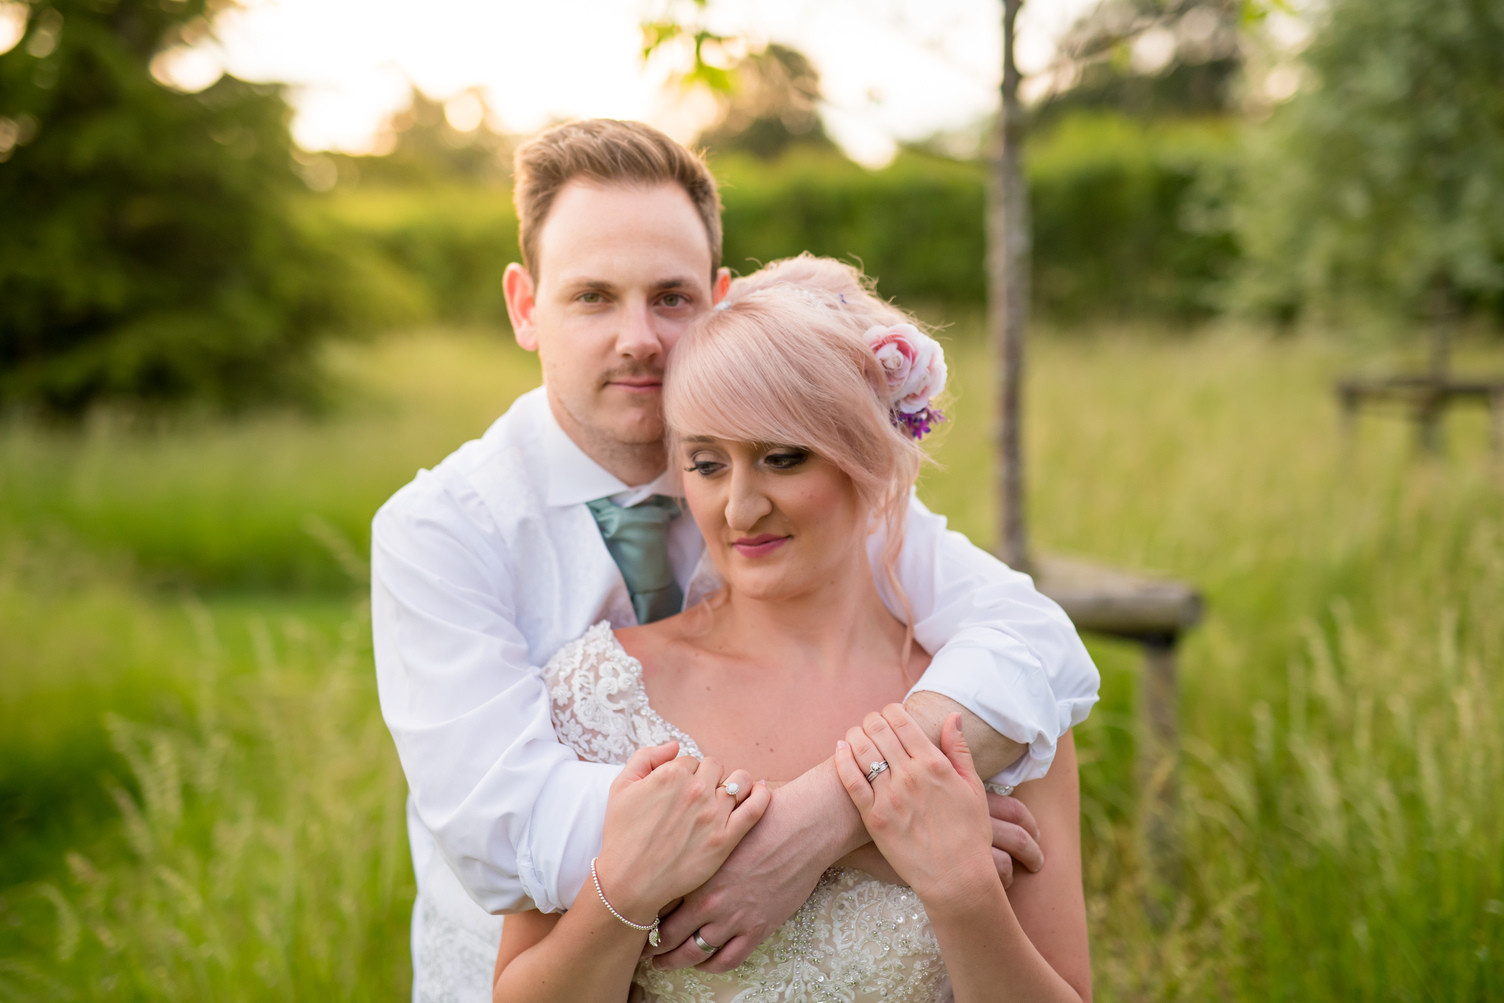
(782, 360)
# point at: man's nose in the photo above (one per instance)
(747, 502)
(638, 336)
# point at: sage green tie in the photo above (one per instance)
(637, 538)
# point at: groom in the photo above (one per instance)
(508, 549)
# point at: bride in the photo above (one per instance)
(794, 410)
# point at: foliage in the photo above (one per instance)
(427, 150)
(443, 249)
(1149, 58)
(146, 252)
(1341, 755)
(771, 108)
(1378, 187)
(1127, 219)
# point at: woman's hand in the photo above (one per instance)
(1015, 844)
(670, 824)
(927, 812)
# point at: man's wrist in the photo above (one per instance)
(816, 807)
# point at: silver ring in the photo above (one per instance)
(701, 943)
(731, 787)
(875, 767)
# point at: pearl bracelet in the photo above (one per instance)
(651, 929)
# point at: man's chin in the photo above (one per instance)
(638, 430)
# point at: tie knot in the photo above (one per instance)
(637, 539)
(652, 515)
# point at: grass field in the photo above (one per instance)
(198, 799)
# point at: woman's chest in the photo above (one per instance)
(774, 731)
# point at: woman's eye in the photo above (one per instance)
(786, 460)
(702, 467)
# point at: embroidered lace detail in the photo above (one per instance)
(600, 706)
(855, 940)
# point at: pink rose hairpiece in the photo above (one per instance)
(913, 366)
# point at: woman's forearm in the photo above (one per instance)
(987, 954)
(586, 954)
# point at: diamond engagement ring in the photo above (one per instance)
(874, 768)
(731, 787)
(701, 943)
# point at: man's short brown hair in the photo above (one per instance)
(608, 151)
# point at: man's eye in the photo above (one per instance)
(591, 297)
(672, 300)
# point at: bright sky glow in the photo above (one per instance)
(890, 68)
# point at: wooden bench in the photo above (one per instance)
(1154, 612)
(1426, 398)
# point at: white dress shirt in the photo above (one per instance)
(483, 567)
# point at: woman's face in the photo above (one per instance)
(779, 521)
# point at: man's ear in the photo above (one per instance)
(720, 286)
(517, 285)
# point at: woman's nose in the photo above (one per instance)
(747, 503)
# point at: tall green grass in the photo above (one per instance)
(209, 807)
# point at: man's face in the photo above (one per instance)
(623, 269)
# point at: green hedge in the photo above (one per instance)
(1128, 220)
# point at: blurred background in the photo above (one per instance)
(250, 282)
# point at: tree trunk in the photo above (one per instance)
(1008, 297)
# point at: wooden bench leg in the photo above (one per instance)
(1428, 429)
(1157, 771)
(1496, 422)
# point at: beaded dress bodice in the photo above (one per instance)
(856, 939)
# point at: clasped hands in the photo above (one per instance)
(750, 859)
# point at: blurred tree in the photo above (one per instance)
(436, 142)
(1149, 59)
(1380, 185)
(147, 251)
(772, 106)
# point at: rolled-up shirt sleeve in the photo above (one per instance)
(1001, 648)
(515, 813)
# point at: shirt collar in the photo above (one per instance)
(574, 478)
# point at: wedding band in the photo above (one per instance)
(874, 768)
(1006, 790)
(702, 945)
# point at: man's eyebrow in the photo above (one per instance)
(585, 282)
(674, 283)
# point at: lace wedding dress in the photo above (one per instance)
(855, 939)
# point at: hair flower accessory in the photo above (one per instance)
(914, 366)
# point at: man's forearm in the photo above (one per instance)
(991, 751)
(812, 804)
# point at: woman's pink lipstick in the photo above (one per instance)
(758, 546)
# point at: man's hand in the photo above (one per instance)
(1015, 837)
(767, 877)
